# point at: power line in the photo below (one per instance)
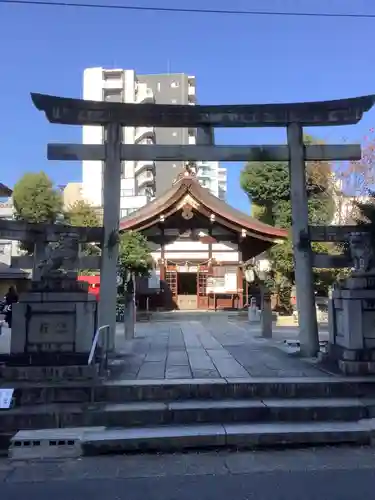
(186, 10)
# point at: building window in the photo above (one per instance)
(127, 211)
(204, 171)
(112, 75)
(4, 248)
(127, 192)
(113, 95)
(159, 86)
(174, 85)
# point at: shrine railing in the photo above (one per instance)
(102, 331)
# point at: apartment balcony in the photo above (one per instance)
(222, 174)
(144, 94)
(113, 79)
(113, 84)
(222, 194)
(144, 166)
(192, 97)
(204, 173)
(141, 133)
(148, 192)
(191, 80)
(145, 179)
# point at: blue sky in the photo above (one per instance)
(236, 59)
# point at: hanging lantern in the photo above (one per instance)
(249, 275)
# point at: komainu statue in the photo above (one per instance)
(58, 254)
(362, 252)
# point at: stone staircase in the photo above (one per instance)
(169, 415)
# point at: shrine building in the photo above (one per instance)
(199, 245)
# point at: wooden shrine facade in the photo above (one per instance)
(199, 245)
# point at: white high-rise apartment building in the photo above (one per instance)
(8, 248)
(143, 180)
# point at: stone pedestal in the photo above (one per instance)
(352, 325)
(52, 332)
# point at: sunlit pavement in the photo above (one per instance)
(315, 474)
(207, 347)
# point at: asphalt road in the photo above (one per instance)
(277, 485)
(313, 474)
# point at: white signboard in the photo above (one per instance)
(215, 285)
(230, 281)
(6, 396)
(154, 279)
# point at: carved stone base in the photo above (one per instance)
(337, 353)
(54, 324)
(11, 373)
(353, 361)
(357, 367)
(43, 359)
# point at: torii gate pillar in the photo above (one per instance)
(111, 214)
(308, 326)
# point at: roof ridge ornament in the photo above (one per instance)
(189, 172)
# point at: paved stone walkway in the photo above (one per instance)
(207, 348)
(203, 347)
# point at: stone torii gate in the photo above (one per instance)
(114, 116)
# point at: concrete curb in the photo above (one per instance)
(239, 436)
(72, 443)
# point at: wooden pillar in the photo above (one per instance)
(162, 261)
(162, 271)
(111, 214)
(308, 327)
(210, 244)
(240, 287)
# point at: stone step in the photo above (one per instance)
(184, 389)
(250, 436)
(49, 443)
(183, 412)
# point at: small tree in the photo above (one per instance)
(355, 180)
(82, 214)
(366, 214)
(134, 258)
(268, 186)
(36, 200)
